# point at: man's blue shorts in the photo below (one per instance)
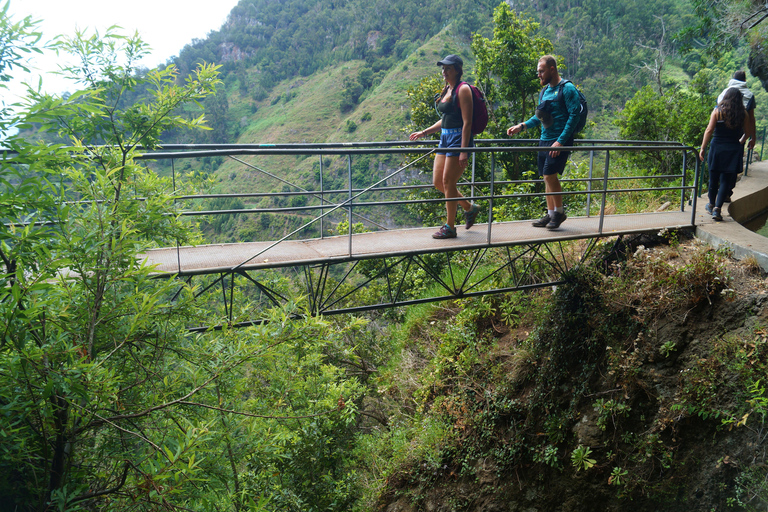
(549, 165)
(451, 138)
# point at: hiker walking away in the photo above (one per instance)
(455, 126)
(739, 81)
(558, 120)
(728, 123)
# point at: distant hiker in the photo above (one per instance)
(727, 124)
(455, 125)
(739, 81)
(559, 120)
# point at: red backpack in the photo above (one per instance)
(479, 108)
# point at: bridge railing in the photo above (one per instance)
(592, 178)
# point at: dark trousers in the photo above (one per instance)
(720, 186)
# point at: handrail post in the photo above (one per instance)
(696, 178)
(349, 183)
(749, 157)
(490, 197)
(605, 192)
(322, 199)
(472, 189)
(682, 187)
(589, 182)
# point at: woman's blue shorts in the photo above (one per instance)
(451, 138)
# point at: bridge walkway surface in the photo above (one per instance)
(206, 259)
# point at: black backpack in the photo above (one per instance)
(583, 109)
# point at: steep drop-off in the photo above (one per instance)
(638, 385)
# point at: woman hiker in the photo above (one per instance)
(455, 126)
(727, 123)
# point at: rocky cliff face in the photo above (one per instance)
(758, 61)
(652, 399)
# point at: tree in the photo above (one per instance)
(722, 24)
(106, 400)
(678, 116)
(84, 325)
(506, 67)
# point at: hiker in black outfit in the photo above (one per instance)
(739, 81)
(727, 124)
(455, 126)
(559, 120)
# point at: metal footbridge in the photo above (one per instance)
(374, 263)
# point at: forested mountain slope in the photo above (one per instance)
(267, 49)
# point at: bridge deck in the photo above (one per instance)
(206, 259)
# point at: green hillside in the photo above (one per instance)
(349, 84)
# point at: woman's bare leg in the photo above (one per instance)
(450, 175)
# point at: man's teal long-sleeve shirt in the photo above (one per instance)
(564, 121)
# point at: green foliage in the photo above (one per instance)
(610, 410)
(572, 340)
(548, 455)
(717, 26)
(700, 278)
(667, 348)
(298, 37)
(618, 477)
(678, 116)
(506, 67)
(580, 458)
(108, 402)
(519, 208)
(17, 40)
(422, 99)
(83, 322)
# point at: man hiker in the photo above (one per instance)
(558, 120)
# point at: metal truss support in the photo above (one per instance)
(357, 286)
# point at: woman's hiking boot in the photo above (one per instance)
(445, 232)
(471, 216)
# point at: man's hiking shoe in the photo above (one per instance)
(708, 207)
(542, 222)
(716, 214)
(445, 232)
(471, 215)
(556, 220)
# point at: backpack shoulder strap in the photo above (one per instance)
(560, 87)
(455, 91)
(558, 94)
